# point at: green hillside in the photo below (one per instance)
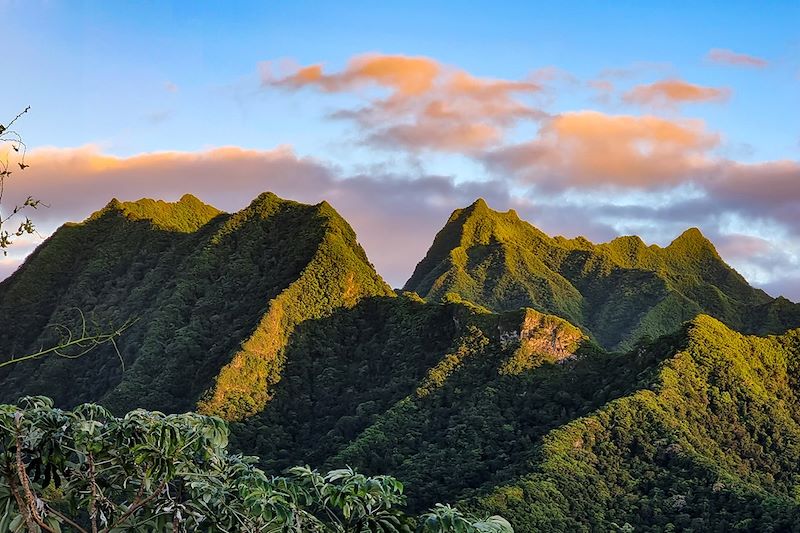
(518, 414)
(712, 443)
(617, 292)
(496, 392)
(210, 293)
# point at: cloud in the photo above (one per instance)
(8, 265)
(405, 76)
(429, 106)
(673, 92)
(759, 190)
(739, 246)
(634, 70)
(592, 149)
(603, 89)
(788, 287)
(723, 56)
(395, 217)
(440, 135)
(771, 265)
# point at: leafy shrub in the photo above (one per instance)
(86, 470)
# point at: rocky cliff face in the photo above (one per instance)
(539, 338)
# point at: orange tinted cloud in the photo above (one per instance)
(669, 93)
(395, 217)
(438, 135)
(589, 148)
(429, 106)
(406, 76)
(729, 57)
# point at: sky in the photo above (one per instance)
(588, 118)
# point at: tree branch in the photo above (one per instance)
(66, 519)
(133, 508)
(32, 518)
(93, 496)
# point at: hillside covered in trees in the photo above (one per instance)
(490, 383)
(617, 292)
(215, 297)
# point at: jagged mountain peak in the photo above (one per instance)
(186, 215)
(234, 290)
(618, 291)
(692, 241)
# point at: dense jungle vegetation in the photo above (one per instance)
(618, 292)
(560, 384)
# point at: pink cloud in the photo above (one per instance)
(425, 97)
(673, 92)
(723, 56)
(590, 149)
(8, 265)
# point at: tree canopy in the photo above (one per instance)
(85, 470)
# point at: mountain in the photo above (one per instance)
(346, 371)
(708, 442)
(496, 392)
(617, 292)
(214, 295)
(520, 414)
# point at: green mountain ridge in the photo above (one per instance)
(208, 290)
(186, 215)
(708, 443)
(618, 291)
(496, 391)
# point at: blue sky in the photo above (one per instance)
(95, 71)
(127, 79)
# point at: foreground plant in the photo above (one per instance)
(87, 471)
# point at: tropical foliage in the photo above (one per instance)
(273, 319)
(85, 470)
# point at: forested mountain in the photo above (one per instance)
(215, 297)
(497, 391)
(710, 441)
(617, 292)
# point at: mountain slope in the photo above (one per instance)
(274, 319)
(519, 414)
(210, 292)
(711, 444)
(618, 291)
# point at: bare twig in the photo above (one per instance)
(7, 135)
(83, 343)
(15, 118)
